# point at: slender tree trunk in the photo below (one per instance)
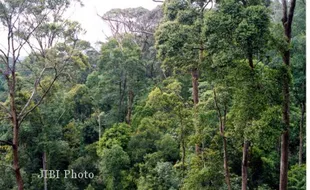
(183, 156)
(122, 90)
(129, 108)
(300, 132)
(11, 85)
(120, 99)
(195, 77)
(222, 133)
(245, 164)
(44, 168)
(183, 145)
(226, 168)
(284, 160)
(15, 123)
(194, 73)
(250, 58)
(285, 133)
(287, 20)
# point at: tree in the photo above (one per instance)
(113, 162)
(22, 21)
(244, 34)
(122, 69)
(287, 20)
(179, 42)
(222, 115)
(298, 60)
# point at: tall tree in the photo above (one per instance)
(22, 20)
(222, 115)
(287, 20)
(179, 42)
(123, 70)
(298, 60)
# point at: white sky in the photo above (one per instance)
(95, 27)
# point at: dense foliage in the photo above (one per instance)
(186, 96)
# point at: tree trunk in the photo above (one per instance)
(227, 176)
(250, 58)
(195, 76)
(129, 108)
(287, 21)
(122, 90)
(245, 165)
(183, 156)
(120, 99)
(15, 123)
(285, 133)
(284, 160)
(222, 133)
(194, 73)
(44, 168)
(300, 131)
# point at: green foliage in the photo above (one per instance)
(179, 36)
(163, 177)
(150, 61)
(119, 134)
(113, 162)
(143, 141)
(79, 102)
(297, 177)
(168, 147)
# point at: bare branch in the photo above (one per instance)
(22, 117)
(110, 20)
(37, 81)
(26, 39)
(5, 55)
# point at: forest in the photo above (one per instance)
(191, 95)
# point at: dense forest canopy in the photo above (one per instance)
(192, 95)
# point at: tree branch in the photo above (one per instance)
(5, 55)
(290, 16)
(37, 81)
(22, 117)
(125, 24)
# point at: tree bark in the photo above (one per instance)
(122, 90)
(250, 58)
(226, 168)
(300, 132)
(245, 164)
(287, 21)
(285, 133)
(195, 76)
(44, 168)
(284, 160)
(222, 133)
(15, 145)
(129, 108)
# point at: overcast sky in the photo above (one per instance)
(95, 27)
(87, 16)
